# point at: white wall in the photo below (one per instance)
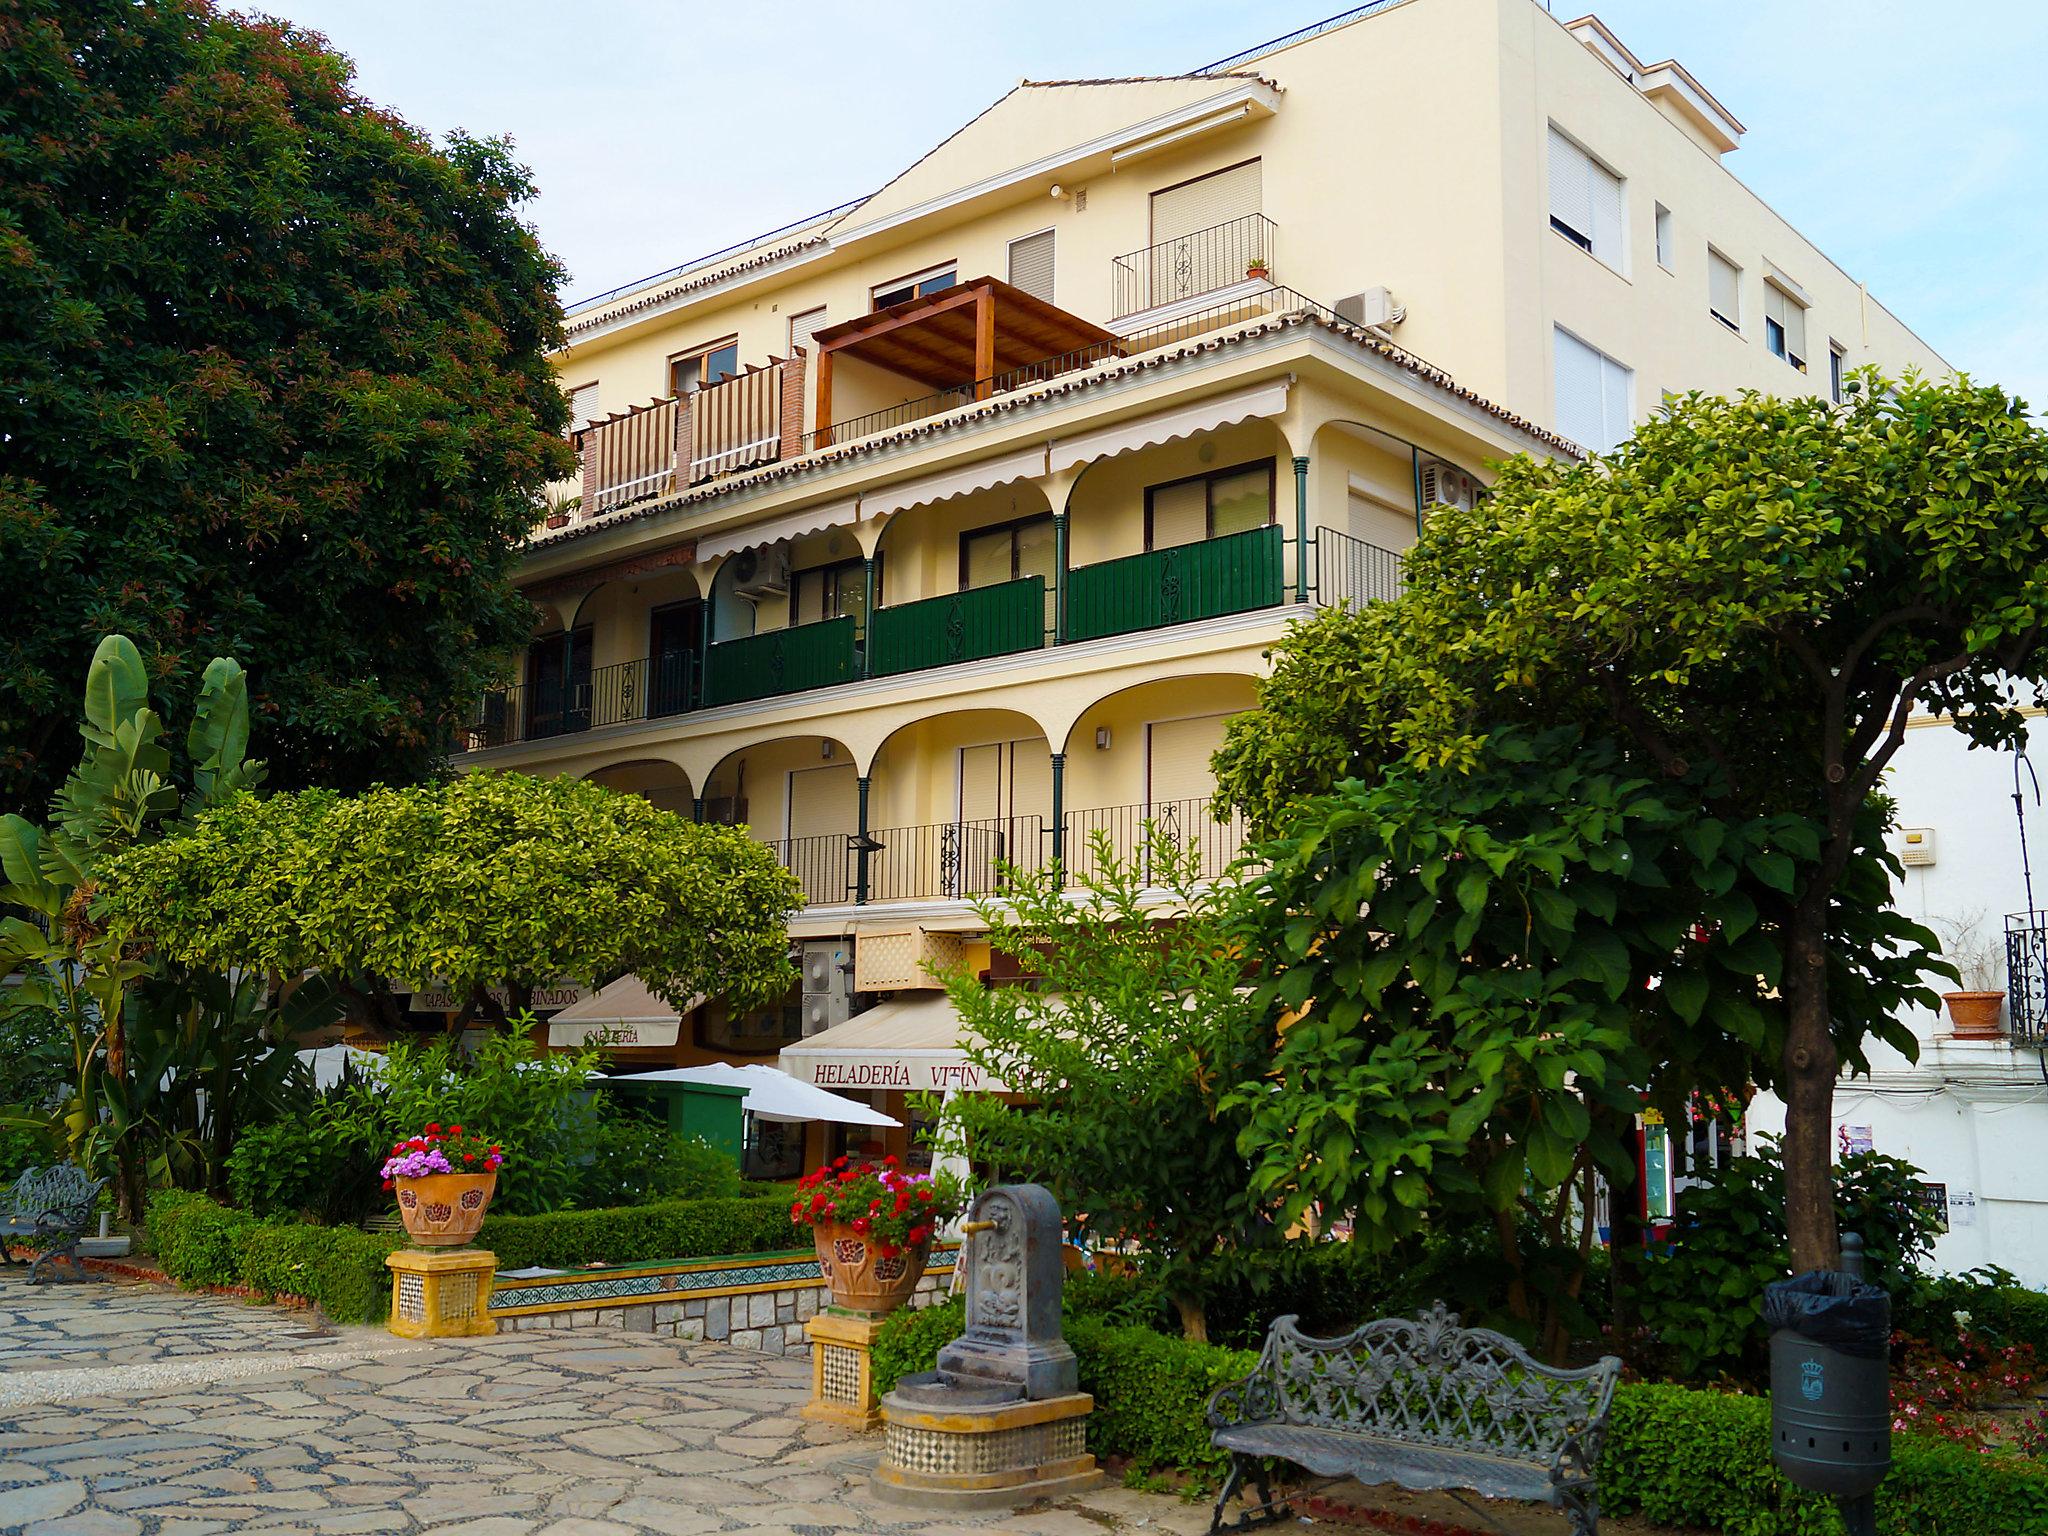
(1972, 1116)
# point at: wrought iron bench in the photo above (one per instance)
(1423, 1403)
(50, 1208)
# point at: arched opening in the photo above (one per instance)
(1372, 491)
(1177, 531)
(1142, 755)
(953, 798)
(965, 578)
(801, 796)
(660, 783)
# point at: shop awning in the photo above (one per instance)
(912, 1043)
(628, 1012)
(771, 1094)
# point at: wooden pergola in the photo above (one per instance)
(971, 334)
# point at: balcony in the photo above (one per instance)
(669, 445)
(963, 860)
(1237, 573)
(2026, 978)
(1189, 266)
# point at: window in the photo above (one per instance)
(1209, 506)
(1785, 326)
(803, 327)
(1031, 265)
(582, 405)
(1838, 365)
(990, 556)
(916, 286)
(1664, 256)
(832, 592)
(1585, 201)
(704, 367)
(1724, 290)
(1594, 407)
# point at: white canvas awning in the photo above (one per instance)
(791, 525)
(1027, 465)
(1148, 431)
(913, 1043)
(628, 1012)
(771, 1094)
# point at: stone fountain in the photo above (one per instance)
(1000, 1422)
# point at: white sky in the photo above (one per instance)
(1908, 141)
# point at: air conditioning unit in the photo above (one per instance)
(759, 573)
(828, 983)
(1373, 308)
(1444, 485)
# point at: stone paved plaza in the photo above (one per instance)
(137, 1409)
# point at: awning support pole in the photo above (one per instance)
(1301, 527)
(1059, 813)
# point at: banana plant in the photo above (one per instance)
(126, 789)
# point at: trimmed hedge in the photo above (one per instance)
(339, 1269)
(1674, 1455)
(679, 1229)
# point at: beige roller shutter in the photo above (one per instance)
(582, 405)
(802, 328)
(823, 802)
(1724, 288)
(1031, 264)
(1206, 202)
(1180, 514)
(1177, 754)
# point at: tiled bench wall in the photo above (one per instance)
(759, 1301)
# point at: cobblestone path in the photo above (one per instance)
(132, 1410)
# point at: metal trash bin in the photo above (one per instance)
(1831, 1419)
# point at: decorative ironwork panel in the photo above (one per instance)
(2026, 976)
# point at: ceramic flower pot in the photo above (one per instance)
(1975, 1015)
(443, 1210)
(862, 1277)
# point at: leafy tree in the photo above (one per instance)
(277, 386)
(481, 881)
(1767, 587)
(1493, 970)
(128, 788)
(1133, 1025)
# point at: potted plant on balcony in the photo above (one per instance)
(1968, 943)
(873, 1224)
(561, 508)
(1257, 270)
(444, 1179)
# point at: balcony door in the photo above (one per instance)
(823, 811)
(1005, 793)
(1197, 244)
(675, 637)
(1179, 783)
(558, 684)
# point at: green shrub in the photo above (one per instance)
(909, 1341)
(197, 1241)
(1680, 1457)
(683, 1229)
(338, 1268)
(2000, 1308)
(317, 1166)
(635, 1160)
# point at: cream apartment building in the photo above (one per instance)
(949, 526)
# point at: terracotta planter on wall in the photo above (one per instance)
(1975, 1015)
(443, 1210)
(861, 1277)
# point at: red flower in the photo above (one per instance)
(861, 1224)
(433, 1127)
(469, 1157)
(454, 1130)
(919, 1234)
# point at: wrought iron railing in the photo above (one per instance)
(1233, 574)
(1350, 573)
(958, 626)
(823, 866)
(2026, 977)
(953, 860)
(1190, 265)
(1134, 832)
(782, 661)
(628, 690)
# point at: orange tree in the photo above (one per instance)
(1767, 588)
(276, 388)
